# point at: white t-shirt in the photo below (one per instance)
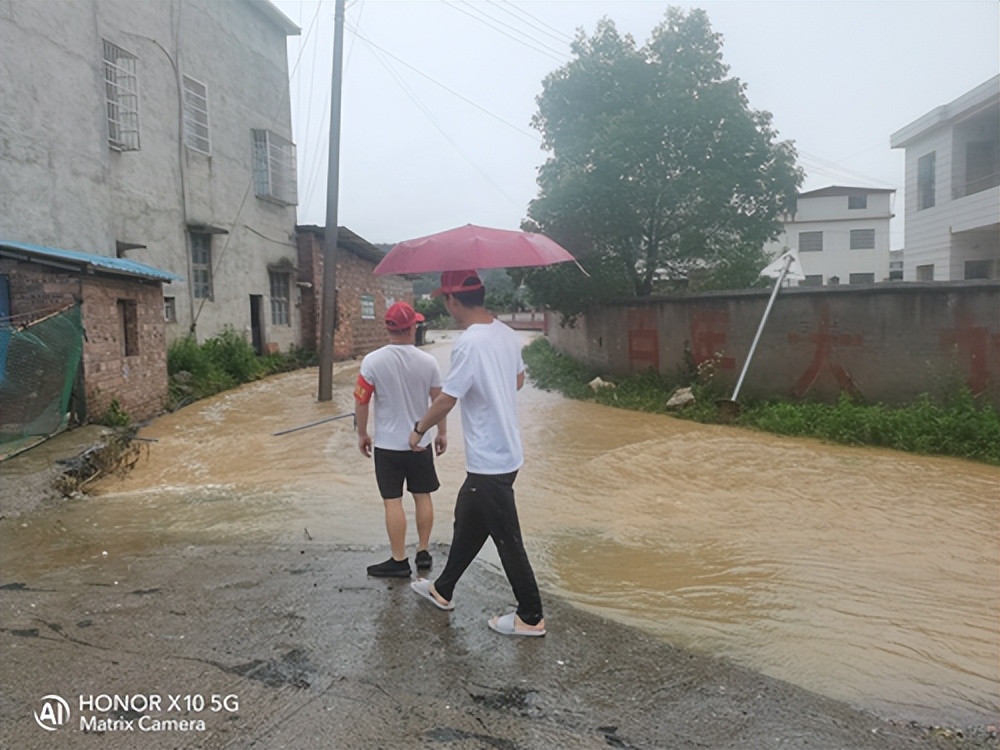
(485, 363)
(403, 377)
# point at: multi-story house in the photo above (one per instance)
(953, 188)
(158, 132)
(841, 233)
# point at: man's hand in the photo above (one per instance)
(365, 445)
(415, 439)
(440, 444)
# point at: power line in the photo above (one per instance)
(558, 35)
(542, 49)
(465, 99)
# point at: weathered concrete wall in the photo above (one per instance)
(887, 342)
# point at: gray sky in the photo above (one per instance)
(438, 95)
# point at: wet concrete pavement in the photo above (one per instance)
(294, 647)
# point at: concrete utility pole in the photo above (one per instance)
(329, 317)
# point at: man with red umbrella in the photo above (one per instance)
(486, 372)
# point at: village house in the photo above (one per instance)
(158, 133)
(952, 188)
(80, 332)
(362, 298)
(841, 233)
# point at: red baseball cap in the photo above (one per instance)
(401, 316)
(458, 281)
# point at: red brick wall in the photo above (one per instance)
(138, 382)
(355, 336)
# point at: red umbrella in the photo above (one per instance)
(472, 247)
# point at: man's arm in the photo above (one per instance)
(520, 380)
(437, 411)
(364, 441)
(441, 439)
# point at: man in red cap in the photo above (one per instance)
(401, 380)
(486, 373)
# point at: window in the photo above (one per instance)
(201, 265)
(170, 309)
(280, 283)
(857, 201)
(862, 239)
(274, 168)
(812, 279)
(925, 273)
(367, 307)
(978, 269)
(128, 327)
(196, 116)
(925, 181)
(861, 278)
(121, 94)
(810, 242)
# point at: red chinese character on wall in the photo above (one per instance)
(826, 340)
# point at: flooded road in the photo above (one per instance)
(865, 575)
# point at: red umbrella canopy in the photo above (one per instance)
(472, 247)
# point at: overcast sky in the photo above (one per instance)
(438, 95)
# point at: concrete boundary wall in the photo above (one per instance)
(887, 342)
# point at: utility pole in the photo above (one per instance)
(329, 314)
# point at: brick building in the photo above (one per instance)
(362, 298)
(121, 308)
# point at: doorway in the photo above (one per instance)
(256, 324)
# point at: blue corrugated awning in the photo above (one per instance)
(85, 262)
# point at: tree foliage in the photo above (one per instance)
(658, 166)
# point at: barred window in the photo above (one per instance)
(196, 116)
(121, 94)
(858, 200)
(280, 283)
(367, 307)
(861, 278)
(170, 309)
(862, 239)
(274, 168)
(810, 242)
(201, 265)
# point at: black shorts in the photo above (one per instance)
(416, 467)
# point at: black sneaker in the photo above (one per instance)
(390, 569)
(424, 560)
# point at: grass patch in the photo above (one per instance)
(961, 427)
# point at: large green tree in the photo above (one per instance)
(659, 168)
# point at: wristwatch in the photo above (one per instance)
(415, 426)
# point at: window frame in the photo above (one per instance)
(857, 201)
(202, 286)
(169, 309)
(367, 307)
(196, 116)
(274, 168)
(121, 97)
(859, 239)
(281, 297)
(926, 181)
(811, 235)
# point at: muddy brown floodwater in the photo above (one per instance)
(865, 575)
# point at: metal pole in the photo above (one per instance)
(329, 314)
(760, 328)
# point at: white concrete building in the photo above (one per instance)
(953, 188)
(841, 233)
(161, 132)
